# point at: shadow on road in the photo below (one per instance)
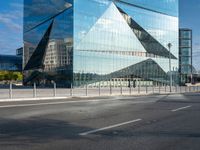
(37, 130)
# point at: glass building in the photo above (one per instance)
(10, 63)
(103, 42)
(185, 55)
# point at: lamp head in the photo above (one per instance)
(169, 45)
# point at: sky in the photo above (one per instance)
(11, 25)
(189, 11)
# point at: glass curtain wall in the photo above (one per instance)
(48, 42)
(124, 40)
(185, 54)
(78, 42)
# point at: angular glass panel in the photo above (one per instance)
(50, 60)
(151, 45)
(36, 61)
(169, 7)
(163, 28)
(37, 12)
(110, 33)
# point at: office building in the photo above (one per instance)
(19, 52)
(100, 41)
(10, 63)
(185, 55)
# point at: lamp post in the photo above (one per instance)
(170, 72)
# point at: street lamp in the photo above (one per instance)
(170, 72)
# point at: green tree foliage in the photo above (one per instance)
(10, 76)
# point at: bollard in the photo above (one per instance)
(165, 88)
(54, 89)
(180, 89)
(185, 89)
(86, 90)
(99, 89)
(10, 91)
(153, 89)
(110, 88)
(139, 87)
(71, 90)
(159, 88)
(121, 87)
(34, 90)
(130, 91)
(146, 89)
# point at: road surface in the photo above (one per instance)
(156, 122)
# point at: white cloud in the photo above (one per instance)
(12, 18)
(8, 21)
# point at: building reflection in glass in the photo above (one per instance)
(92, 41)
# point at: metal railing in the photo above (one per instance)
(14, 92)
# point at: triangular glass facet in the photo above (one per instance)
(110, 33)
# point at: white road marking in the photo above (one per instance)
(109, 127)
(174, 110)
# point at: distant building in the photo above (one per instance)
(10, 63)
(19, 51)
(58, 54)
(185, 55)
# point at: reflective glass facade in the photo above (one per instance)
(105, 40)
(48, 41)
(185, 55)
(10, 63)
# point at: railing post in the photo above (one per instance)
(153, 88)
(139, 87)
(159, 88)
(99, 88)
(121, 86)
(10, 91)
(146, 89)
(86, 89)
(34, 90)
(110, 88)
(54, 89)
(71, 90)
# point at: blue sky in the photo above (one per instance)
(11, 25)
(11, 12)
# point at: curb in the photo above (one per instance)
(83, 97)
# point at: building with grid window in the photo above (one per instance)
(92, 41)
(185, 55)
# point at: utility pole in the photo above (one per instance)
(170, 72)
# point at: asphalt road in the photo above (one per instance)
(157, 122)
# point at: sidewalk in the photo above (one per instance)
(7, 95)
